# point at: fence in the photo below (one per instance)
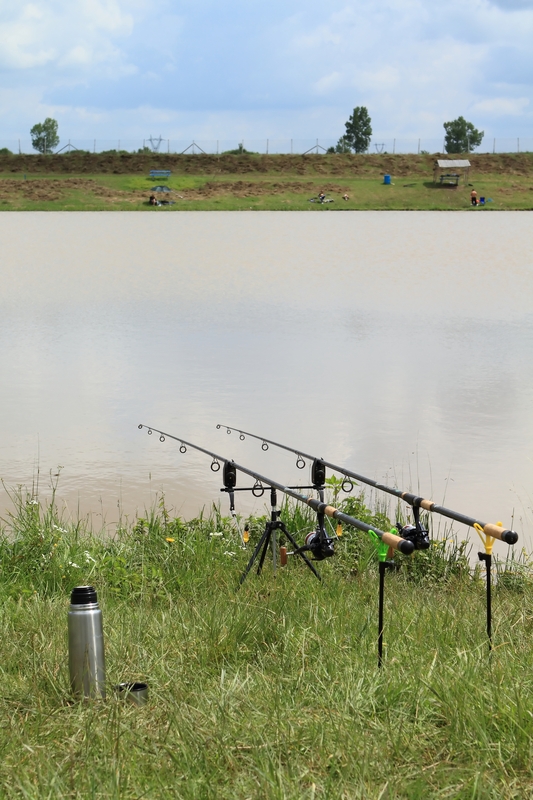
(264, 146)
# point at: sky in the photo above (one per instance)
(253, 69)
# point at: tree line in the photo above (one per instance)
(460, 136)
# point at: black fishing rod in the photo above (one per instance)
(488, 528)
(391, 539)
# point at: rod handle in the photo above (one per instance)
(283, 556)
(503, 534)
(397, 543)
(420, 502)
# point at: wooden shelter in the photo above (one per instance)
(449, 171)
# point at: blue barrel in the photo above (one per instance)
(386, 179)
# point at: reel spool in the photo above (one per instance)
(320, 546)
(416, 534)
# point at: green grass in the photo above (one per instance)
(265, 191)
(270, 691)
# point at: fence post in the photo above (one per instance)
(20, 152)
(518, 145)
(267, 146)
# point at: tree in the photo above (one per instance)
(44, 136)
(358, 130)
(342, 146)
(461, 136)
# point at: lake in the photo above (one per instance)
(397, 343)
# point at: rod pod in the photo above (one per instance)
(86, 644)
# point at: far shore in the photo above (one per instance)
(122, 182)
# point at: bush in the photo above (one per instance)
(239, 151)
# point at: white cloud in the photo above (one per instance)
(328, 82)
(502, 106)
(21, 45)
(64, 34)
(107, 15)
(384, 78)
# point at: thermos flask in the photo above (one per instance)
(86, 644)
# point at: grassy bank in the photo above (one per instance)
(267, 692)
(94, 182)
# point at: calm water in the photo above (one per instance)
(400, 344)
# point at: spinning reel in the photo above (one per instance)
(416, 534)
(319, 545)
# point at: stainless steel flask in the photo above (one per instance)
(86, 644)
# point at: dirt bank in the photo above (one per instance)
(56, 189)
(313, 165)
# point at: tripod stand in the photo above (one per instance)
(269, 537)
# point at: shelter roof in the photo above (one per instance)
(445, 163)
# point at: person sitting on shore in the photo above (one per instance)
(321, 197)
(345, 197)
(153, 200)
(473, 197)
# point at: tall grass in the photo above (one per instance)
(270, 691)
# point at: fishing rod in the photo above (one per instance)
(317, 542)
(419, 535)
(392, 540)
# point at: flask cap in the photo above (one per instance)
(82, 595)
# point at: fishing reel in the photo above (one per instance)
(416, 534)
(319, 545)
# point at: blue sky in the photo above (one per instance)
(282, 68)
